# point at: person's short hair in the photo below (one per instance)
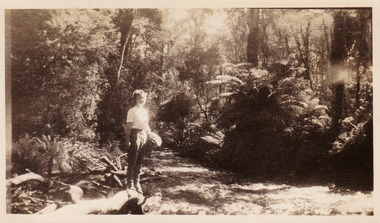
(139, 92)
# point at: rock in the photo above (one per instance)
(66, 168)
(76, 193)
(86, 186)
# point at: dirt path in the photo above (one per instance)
(188, 188)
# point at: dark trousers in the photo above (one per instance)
(135, 156)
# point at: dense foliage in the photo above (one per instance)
(265, 92)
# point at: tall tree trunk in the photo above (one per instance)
(126, 18)
(325, 29)
(287, 47)
(253, 37)
(303, 49)
(306, 40)
(338, 54)
(364, 48)
(357, 93)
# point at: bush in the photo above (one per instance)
(273, 124)
(46, 156)
(352, 164)
(33, 154)
(177, 113)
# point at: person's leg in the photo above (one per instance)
(131, 160)
(141, 139)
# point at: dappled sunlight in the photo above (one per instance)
(259, 186)
(189, 188)
(183, 170)
(242, 208)
(249, 111)
(186, 193)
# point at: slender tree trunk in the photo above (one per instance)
(203, 110)
(122, 55)
(338, 107)
(50, 166)
(306, 40)
(357, 93)
(364, 48)
(321, 64)
(338, 54)
(264, 43)
(328, 47)
(253, 37)
(126, 18)
(287, 45)
(304, 54)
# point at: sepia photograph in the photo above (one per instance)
(233, 111)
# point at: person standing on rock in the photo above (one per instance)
(136, 130)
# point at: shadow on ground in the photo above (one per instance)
(189, 188)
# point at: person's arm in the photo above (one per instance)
(128, 128)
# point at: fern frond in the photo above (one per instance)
(45, 138)
(321, 107)
(228, 78)
(223, 95)
(212, 140)
(257, 73)
(225, 65)
(324, 117)
(243, 74)
(287, 80)
(300, 70)
(317, 122)
(243, 65)
(296, 109)
(313, 103)
(282, 62)
(226, 94)
(295, 103)
(215, 82)
(42, 143)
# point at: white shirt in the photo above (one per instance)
(138, 116)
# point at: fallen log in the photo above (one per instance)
(122, 202)
(48, 208)
(60, 190)
(26, 177)
(91, 171)
(113, 168)
(100, 206)
(107, 161)
(120, 173)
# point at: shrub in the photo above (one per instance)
(177, 113)
(33, 154)
(273, 123)
(47, 155)
(351, 163)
